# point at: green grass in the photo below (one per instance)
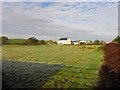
(81, 63)
(15, 41)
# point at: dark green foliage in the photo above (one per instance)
(51, 42)
(31, 41)
(42, 42)
(117, 39)
(98, 42)
(34, 41)
(3, 40)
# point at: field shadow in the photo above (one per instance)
(17, 74)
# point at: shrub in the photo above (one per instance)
(98, 42)
(34, 41)
(109, 78)
(109, 73)
(31, 41)
(3, 40)
(117, 39)
(42, 42)
(51, 42)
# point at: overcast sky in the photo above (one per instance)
(51, 20)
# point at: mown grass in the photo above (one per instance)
(17, 74)
(81, 62)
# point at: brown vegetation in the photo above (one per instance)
(109, 73)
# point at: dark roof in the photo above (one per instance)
(63, 39)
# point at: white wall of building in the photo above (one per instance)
(62, 42)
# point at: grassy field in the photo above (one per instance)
(51, 66)
(15, 41)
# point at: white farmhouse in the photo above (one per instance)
(63, 41)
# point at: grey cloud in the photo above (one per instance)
(46, 24)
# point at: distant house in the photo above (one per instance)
(83, 42)
(75, 42)
(63, 41)
(107, 42)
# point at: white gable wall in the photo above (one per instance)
(68, 41)
(61, 42)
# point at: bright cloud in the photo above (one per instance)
(60, 0)
(51, 20)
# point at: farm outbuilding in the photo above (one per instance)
(83, 42)
(75, 42)
(63, 41)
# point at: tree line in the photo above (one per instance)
(30, 41)
(34, 41)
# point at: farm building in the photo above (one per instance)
(83, 42)
(75, 42)
(107, 42)
(63, 41)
